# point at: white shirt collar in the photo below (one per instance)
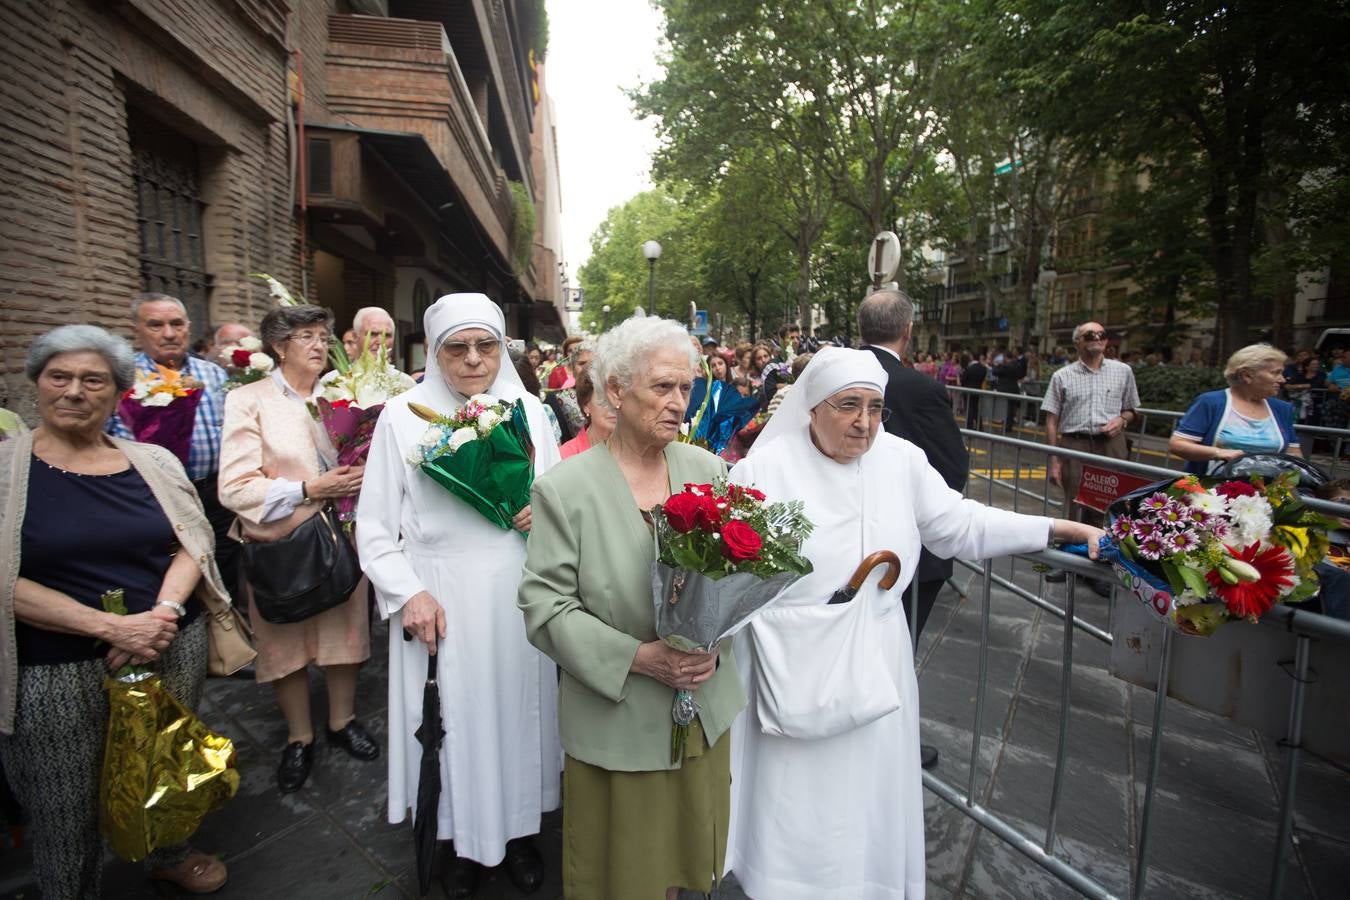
(290, 392)
(887, 350)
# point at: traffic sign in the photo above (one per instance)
(883, 258)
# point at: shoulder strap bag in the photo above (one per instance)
(310, 570)
(231, 638)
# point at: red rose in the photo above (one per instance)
(240, 357)
(340, 404)
(757, 494)
(698, 488)
(682, 512)
(1235, 489)
(709, 515)
(740, 542)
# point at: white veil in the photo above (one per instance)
(454, 313)
(831, 370)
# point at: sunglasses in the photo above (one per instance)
(460, 349)
(1092, 335)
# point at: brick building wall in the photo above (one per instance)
(213, 71)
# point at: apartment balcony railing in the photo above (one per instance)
(401, 75)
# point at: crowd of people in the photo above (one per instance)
(554, 687)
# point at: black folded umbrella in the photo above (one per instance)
(880, 558)
(428, 779)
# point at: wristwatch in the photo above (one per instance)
(173, 605)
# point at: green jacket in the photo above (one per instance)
(587, 598)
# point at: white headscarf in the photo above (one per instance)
(831, 370)
(454, 313)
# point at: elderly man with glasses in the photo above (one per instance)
(1088, 406)
(162, 333)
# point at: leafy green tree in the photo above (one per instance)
(831, 95)
(1248, 96)
(616, 275)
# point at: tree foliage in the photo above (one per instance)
(1249, 97)
(1200, 150)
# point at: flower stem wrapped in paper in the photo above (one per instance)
(482, 454)
(1200, 552)
(163, 770)
(723, 553)
(161, 409)
(348, 408)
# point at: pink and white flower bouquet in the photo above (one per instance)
(1202, 551)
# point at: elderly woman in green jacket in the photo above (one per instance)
(635, 825)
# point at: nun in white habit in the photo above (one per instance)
(443, 572)
(826, 796)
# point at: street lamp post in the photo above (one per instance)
(651, 250)
(605, 309)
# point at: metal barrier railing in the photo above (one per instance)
(1306, 627)
(979, 406)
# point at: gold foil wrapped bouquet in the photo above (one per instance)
(163, 769)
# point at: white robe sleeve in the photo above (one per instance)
(378, 514)
(952, 526)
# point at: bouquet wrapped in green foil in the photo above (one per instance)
(482, 454)
(163, 769)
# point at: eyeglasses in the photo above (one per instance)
(852, 409)
(460, 349)
(309, 339)
(1092, 335)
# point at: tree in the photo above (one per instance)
(724, 101)
(616, 275)
(1016, 180)
(1249, 96)
(1153, 219)
(745, 255)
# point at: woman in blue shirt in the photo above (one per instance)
(1243, 418)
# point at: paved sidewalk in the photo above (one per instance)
(1216, 807)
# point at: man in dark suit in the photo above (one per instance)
(921, 413)
(1008, 377)
(973, 376)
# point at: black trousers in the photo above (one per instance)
(227, 548)
(973, 411)
(928, 592)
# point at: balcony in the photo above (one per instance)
(401, 75)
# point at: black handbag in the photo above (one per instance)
(312, 569)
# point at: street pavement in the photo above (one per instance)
(1216, 811)
(1215, 814)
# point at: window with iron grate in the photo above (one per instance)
(169, 216)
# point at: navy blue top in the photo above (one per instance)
(86, 534)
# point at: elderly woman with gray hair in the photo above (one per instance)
(1245, 417)
(635, 825)
(277, 468)
(106, 512)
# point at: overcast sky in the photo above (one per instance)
(597, 49)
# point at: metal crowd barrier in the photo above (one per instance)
(1306, 626)
(990, 409)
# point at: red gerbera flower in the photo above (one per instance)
(1253, 598)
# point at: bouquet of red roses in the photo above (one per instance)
(723, 553)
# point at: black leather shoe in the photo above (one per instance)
(296, 761)
(928, 756)
(1057, 576)
(355, 740)
(524, 865)
(460, 880)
